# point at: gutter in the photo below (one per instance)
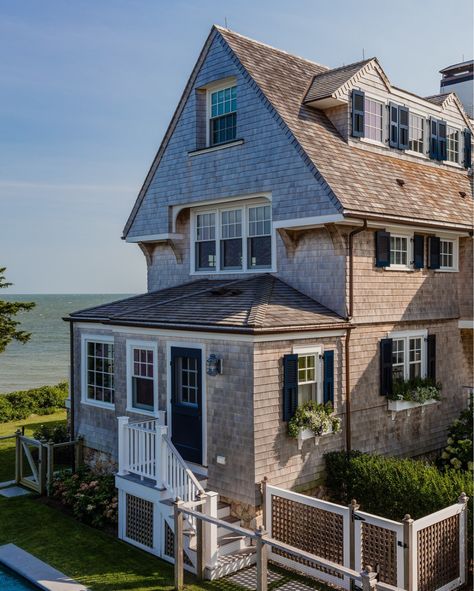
(350, 310)
(386, 219)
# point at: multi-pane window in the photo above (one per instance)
(446, 251)
(231, 239)
(417, 133)
(399, 250)
(307, 383)
(100, 371)
(398, 359)
(414, 360)
(260, 239)
(205, 241)
(408, 356)
(238, 239)
(373, 120)
(452, 145)
(142, 378)
(188, 381)
(223, 120)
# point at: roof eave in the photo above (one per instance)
(386, 218)
(325, 102)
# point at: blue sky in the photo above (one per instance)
(87, 88)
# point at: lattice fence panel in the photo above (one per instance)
(379, 548)
(438, 554)
(139, 521)
(313, 530)
(169, 545)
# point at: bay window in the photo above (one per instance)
(233, 239)
(141, 377)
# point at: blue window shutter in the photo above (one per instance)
(386, 375)
(418, 251)
(442, 130)
(435, 258)
(382, 249)
(290, 386)
(431, 356)
(433, 139)
(403, 122)
(358, 113)
(467, 148)
(393, 116)
(329, 377)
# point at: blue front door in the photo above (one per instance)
(186, 402)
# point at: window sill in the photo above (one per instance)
(105, 405)
(367, 140)
(453, 164)
(446, 270)
(140, 411)
(400, 268)
(235, 272)
(215, 148)
(416, 154)
(395, 406)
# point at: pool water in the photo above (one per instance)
(9, 581)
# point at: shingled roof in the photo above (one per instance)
(324, 84)
(437, 99)
(258, 304)
(363, 182)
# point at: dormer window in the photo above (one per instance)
(417, 134)
(222, 115)
(453, 145)
(373, 120)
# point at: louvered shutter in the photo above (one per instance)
(442, 130)
(358, 113)
(386, 376)
(435, 245)
(431, 356)
(467, 148)
(418, 251)
(433, 139)
(290, 386)
(393, 116)
(382, 249)
(328, 377)
(403, 119)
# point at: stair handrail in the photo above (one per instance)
(195, 482)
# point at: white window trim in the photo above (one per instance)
(407, 335)
(409, 266)
(96, 338)
(149, 346)
(317, 351)
(455, 267)
(210, 89)
(217, 209)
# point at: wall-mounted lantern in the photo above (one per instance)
(213, 365)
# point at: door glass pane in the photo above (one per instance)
(187, 381)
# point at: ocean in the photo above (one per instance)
(44, 359)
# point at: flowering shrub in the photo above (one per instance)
(57, 433)
(416, 390)
(314, 416)
(458, 453)
(92, 498)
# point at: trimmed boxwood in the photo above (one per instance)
(41, 401)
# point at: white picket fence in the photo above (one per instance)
(428, 554)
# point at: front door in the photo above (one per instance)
(186, 402)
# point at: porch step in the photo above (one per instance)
(232, 563)
(230, 543)
(231, 520)
(223, 510)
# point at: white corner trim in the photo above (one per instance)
(155, 237)
(311, 222)
(466, 324)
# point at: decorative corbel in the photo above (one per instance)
(337, 239)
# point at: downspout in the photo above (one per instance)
(71, 379)
(350, 309)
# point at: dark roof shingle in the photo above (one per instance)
(323, 85)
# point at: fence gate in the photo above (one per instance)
(315, 526)
(379, 542)
(31, 464)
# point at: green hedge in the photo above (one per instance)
(392, 487)
(41, 401)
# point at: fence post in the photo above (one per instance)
(178, 546)
(263, 490)
(353, 507)
(262, 560)
(409, 552)
(78, 453)
(210, 531)
(463, 534)
(369, 579)
(18, 456)
(201, 541)
(49, 466)
(122, 446)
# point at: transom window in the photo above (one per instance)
(452, 145)
(417, 134)
(399, 250)
(223, 115)
(237, 239)
(142, 377)
(99, 385)
(373, 120)
(446, 250)
(308, 378)
(408, 357)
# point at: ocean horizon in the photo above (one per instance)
(44, 359)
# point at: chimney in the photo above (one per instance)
(459, 78)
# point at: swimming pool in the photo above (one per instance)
(9, 581)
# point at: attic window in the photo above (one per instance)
(222, 115)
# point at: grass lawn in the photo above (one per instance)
(7, 446)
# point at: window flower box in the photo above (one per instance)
(414, 393)
(398, 405)
(305, 434)
(312, 420)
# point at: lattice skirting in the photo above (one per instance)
(139, 520)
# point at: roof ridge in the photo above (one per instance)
(258, 309)
(332, 70)
(225, 30)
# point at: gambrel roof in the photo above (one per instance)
(259, 304)
(362, 183)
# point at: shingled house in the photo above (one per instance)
(308, 236)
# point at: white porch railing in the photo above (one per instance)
(144, 449)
